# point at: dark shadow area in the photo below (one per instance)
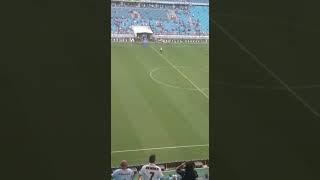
(261, 130)
(54, 87)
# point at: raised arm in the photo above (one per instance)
(180, 166)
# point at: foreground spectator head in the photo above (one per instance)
(123, 164)
(150, 171)
(186, 171)
(124, 173)
(190, 166)
(152, 158)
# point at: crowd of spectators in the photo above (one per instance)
(151, 171)
(162, 18)
(194, 1)
(186, 1)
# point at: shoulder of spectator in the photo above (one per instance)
(115, 171)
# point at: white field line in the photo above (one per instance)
(169, 85)
(183, 75)
(159, 148)
(274, 75)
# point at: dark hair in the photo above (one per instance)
(189, 172)
(189, 166)
(152, 158)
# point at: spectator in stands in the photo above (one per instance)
(183, 19)
(150, 171)
(124, 173)
(186, 171)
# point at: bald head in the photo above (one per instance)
(123, 164)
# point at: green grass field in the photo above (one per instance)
(160, 102)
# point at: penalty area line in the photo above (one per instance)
(160, 148)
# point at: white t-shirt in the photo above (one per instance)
(151, 172)
(121, 174)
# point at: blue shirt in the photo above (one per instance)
(121, 174)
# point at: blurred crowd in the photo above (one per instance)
(162, 18)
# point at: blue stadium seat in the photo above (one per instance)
(191, 21)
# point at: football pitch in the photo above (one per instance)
(160, 102)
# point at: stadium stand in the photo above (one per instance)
(163, 19)
(183, 1)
